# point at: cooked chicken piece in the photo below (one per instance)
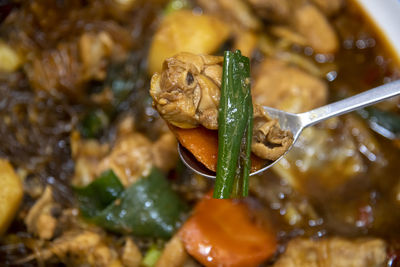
(187, 93)
(131, 256)
(94, 49)
(174, 254)
(183, 31)
(130, 158)
(40, 220)
(84, 247)
(333, 252)
(269, 141)
(164, 152)
(287, 36)
(285, 87)
(314, 26)
(272, 10)
(234, 11)
(246, 42)
(87, 155)
(329, 7)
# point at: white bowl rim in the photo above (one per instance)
(385, 14)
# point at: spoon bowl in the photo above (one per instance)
(295, 123)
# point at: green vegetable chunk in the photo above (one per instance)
(99, 194)
(148, 208)
(235, 128)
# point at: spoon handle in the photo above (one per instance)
(349, 104)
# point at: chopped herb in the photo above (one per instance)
(151, 257)
(175, 5)
(235, 128)
(93, 123)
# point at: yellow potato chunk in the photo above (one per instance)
(9, 59)
(11, 193)
(183, 31)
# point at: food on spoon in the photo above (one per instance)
(235, 128)
(83, 66)
(187, 93)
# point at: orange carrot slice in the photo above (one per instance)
(222, 233)
(203, 144)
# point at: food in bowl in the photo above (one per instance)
(90, 171)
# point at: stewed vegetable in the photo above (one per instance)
(96, 94)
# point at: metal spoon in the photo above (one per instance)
(297, 122)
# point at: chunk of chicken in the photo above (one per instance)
(130, 158)
(272, 10)
(334, 252)
(40, 220)
(289, 88)
(76, 248)
(269, 141)
(313, 25)
(233, 11)
(87, 155)
(187, 95)
(131, 256)
(174, 254)
(187, 92)
(164, 153)
(329, 7)
(94, 49)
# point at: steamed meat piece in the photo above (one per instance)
(272, 10)
(313, 25)
(187, 93)
(333, 252)
(286, 87)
